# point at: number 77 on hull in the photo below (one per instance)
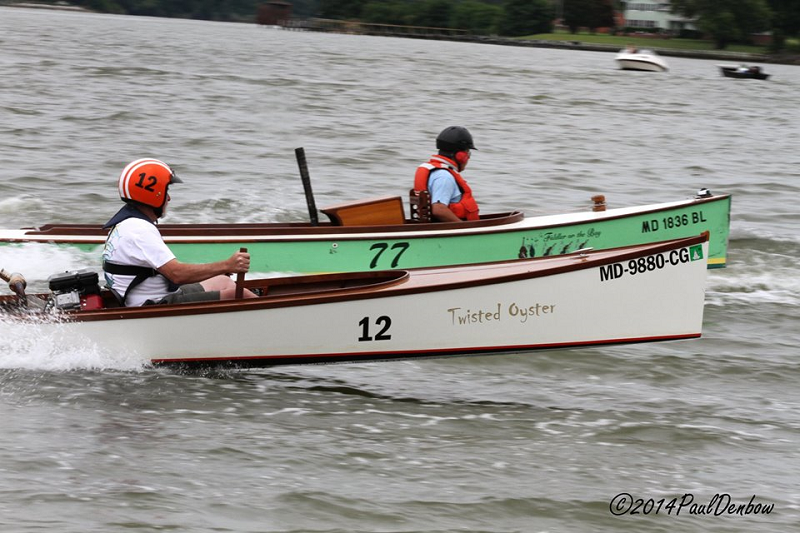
(336, 247)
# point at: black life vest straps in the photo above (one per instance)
(140, 274)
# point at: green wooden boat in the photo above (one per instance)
(376, 235)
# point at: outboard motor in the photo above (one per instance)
(77, 289)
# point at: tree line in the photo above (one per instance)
(219, 10)
(725, 21)
(729, 21)
(512, 18)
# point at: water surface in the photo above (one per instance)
(97, 442)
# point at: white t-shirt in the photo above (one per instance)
(137, 242)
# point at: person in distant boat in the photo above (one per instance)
(631, 49)
(451, 197)
(138, 265)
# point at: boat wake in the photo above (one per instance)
(19, 204)
(29, 346)
(759, 271)
(38, 261)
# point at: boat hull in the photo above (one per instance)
(642, 62)
(643, 293)
(301, 248)
(733, 72)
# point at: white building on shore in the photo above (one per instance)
(655, 15)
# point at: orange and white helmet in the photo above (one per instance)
(146, 181)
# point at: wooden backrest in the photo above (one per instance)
(370, 212)
(420, 205)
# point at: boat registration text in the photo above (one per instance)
(651, 263)
(673, 221)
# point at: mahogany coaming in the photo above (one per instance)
(280, 229)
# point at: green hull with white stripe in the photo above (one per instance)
(375, 248)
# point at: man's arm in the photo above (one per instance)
(182, 273)
(442, 213)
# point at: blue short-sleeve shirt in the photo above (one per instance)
(443, 187)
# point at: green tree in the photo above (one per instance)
(526, 17)
(478, 17)
(386, 12)
(590, 14)
(341, 9)
(785, 21)
(726, 21)
(576, 14)
(434, 13)
(103, 6)
(602, 15)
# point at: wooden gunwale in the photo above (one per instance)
(245, 233)
(391, 283)
(281, 228)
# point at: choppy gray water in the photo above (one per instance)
(93, 442)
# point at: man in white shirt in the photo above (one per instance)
(138, 265)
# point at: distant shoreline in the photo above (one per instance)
(55, 7)
(456, 35)
(719, 55)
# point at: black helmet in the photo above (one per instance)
(455, 139)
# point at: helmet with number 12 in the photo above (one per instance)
(146, 181)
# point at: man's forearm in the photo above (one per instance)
(442, 213)
(182, 273)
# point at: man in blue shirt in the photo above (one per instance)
(451, 197)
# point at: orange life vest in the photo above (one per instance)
(467, 208)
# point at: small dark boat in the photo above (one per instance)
(743, 72)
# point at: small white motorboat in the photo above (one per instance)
(642, 293)
(633, 59)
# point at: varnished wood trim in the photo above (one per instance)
(297, 228)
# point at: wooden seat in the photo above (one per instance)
(420, 205)
(370, 212)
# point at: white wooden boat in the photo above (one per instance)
(640, 293)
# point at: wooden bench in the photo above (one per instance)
(380, 211)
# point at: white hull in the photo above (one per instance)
(650, 62)
(494, 307)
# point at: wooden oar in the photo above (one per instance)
(312, 206)
(240, 281)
